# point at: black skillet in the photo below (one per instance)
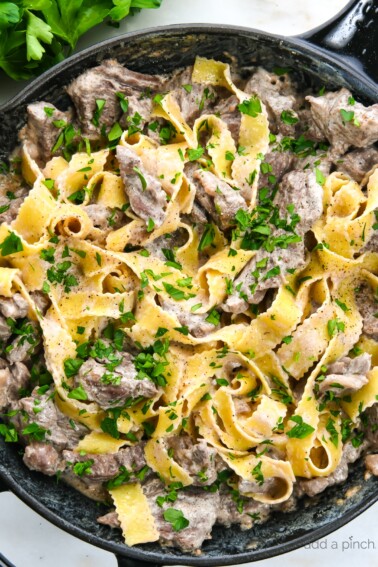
(343, 52)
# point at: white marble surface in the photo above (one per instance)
(27, 539)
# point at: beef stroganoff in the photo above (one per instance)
(188, 295)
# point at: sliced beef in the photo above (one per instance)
(196, 323)
(25, 345)
(138, 112)
(280, 162)
(254, 282)
(195, 100)
(43, 458)
(170, 241)
(110, 519)
(298, 188)
(5, 330)
(147, 202)
(15, 307)
(107, 466)
(371, 463)
(371, 433)
(307, 126)
(234, 509)
(357, 163)
(105, 218)
(227, 110)
(41, 300)
(40, 133)
(225, 201)
(12, 195)
(197, 458)
(357, 126)
(278, 95)
(198, 507)
(367, 305)
(196, 217)
(312, 487)
(12, 379)
(347, 375)
(112, 388)
(102, 83)
(41, 410)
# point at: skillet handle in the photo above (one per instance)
(130, 562)
(351, 36)
(3, 486)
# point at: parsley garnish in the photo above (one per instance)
(11, 245)
(176, 518)
(251, 107)
(207, 237)
(301, 430)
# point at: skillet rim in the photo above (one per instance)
(299, 47)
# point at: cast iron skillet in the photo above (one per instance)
(343, 52)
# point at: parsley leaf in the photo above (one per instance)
(176, 518)
(301, 430)
(251, 107)
(11, 245)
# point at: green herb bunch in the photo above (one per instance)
(36, 34)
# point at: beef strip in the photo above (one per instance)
(298, 188)
(227, 110)
(371, 463)
(43, 458)
(112, 388)
(367, 305)
(197, 458)
(196, 217)
(40, 133)
(199, 100)
(278, 95)
(12, 379)
(170, 241)
(291, 257)
(371, 433)
(244, 512)
(41, 300)
(347, 375)
(359, 129)
(12, 195)
(40, 409)
(225, 201)
(357, 163)
(15, 307)
(314, 486)
(101, 216)
(107, 466)
(196, 322)
(149, 202)
(138, 112)
(281, 163)
(307, 126)
(5, 330)
(102, 83)
(23, 347)
(201, 517)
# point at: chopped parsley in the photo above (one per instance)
(251, 107)
(11, 245)
(207, 237)
(176, 518)
(301, 430)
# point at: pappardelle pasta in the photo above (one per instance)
(188, 284)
